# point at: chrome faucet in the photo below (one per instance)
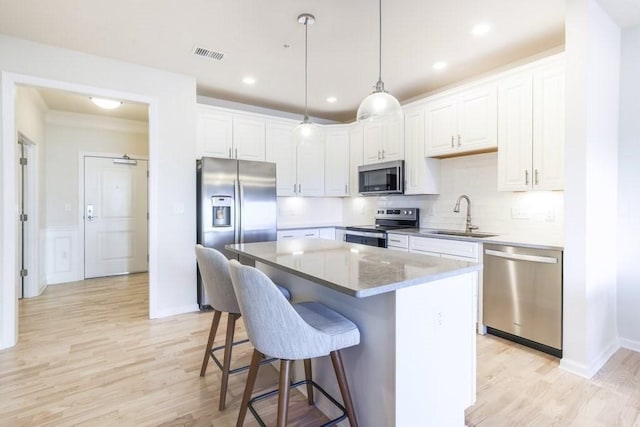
(469, 227)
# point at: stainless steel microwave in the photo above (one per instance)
(381, 178)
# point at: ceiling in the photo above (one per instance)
(343, 43)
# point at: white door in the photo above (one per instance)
(115, 216)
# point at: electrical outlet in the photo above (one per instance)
(519, 213)
(549, 215)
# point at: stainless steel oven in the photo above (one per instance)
(369, 238)
(386, 219)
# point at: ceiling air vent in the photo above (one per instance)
(207, 53)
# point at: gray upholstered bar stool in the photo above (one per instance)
(214, 269)
(290, 332)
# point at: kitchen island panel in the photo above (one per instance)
(415, 364)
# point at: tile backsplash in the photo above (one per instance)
(530, 213)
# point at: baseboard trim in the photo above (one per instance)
(630, 344)
(172, 311)
(589, 370)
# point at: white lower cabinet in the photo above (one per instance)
(301, 233)
(328, 233)
(398, 242)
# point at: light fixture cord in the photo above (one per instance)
(306, 48)
(380, 40)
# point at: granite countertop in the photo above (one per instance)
(356, 270)
(498, 239)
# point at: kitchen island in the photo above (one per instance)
(415, 365)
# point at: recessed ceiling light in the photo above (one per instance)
(480, 29)
(249, 80)
(107, 104)
(440, 65)
(331, 99)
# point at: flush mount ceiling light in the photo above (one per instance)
(480, 29)
(379, 105)
(248, 80)
(107, 104)
(331, 99)
(306, 132)
(440, 65)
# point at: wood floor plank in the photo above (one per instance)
(88, 355)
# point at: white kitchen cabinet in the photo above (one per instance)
(229, 135)
(328, 233)
(340, 232)
(356, 147)
(383, 141)
(336, 171)
(299, 167)
(470, 251)
(306, 233)
(422, 175)
(398, 242)
(531, 130)
(462, 123)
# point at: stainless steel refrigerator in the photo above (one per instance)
(236, 204)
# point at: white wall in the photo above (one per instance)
(68, 135)
(628, 200)
(592, 54)
(309, 211)
(530, 213)
(172, 152)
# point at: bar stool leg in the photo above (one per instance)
(212, 335)
(283, 393)
(308, 375)
(338, 367)
(226, 363)
(248, 388)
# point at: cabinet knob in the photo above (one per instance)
(526, 177)
(451, 141)
(537, 180)
(383, 155)
(459, 138)
(229, 152)
(294, 188)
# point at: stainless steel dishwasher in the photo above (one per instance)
(522, 296)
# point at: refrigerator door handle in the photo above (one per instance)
(241, 186)
(236, 214)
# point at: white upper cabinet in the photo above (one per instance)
(422, 175)
(336, 178)
(299, 167)
(548, 128)
(531, 130)
(462, 123)
(229, 135)
(356, 154)
(383, 141)
(215, 133)
(248, 139)
(282, 151)
(310, 165)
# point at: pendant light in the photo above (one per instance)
(306, 131)
(379, 105)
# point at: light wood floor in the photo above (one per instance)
(88, 355)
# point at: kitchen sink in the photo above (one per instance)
(460, 233)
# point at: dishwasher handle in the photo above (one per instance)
(522, 257)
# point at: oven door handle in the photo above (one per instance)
(367, 234)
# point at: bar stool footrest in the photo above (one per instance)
(241, 368)
(274, 392)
